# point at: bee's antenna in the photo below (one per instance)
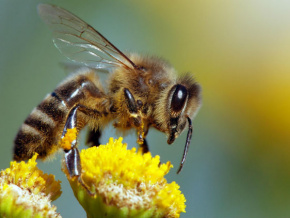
(187, 143)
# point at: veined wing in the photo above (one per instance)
(80, 42)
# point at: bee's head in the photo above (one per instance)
(177, 103)
(176, 107)
(182, 103)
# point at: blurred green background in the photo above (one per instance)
(238, 163)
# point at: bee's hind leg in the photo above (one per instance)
(72, 155)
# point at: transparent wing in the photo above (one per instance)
(80, 42)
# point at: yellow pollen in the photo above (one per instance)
(69, 137)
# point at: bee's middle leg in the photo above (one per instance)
(93, 137)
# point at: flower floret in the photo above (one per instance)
(125, 178)
(25, 191)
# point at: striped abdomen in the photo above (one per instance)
(42, 129)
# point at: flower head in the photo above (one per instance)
(25, 191)
(126, 183)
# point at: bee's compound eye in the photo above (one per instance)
(178, 98)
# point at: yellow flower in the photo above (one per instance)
(25, 191)
(126, 183)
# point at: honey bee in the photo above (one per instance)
(142, 92)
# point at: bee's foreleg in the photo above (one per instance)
(142, 139)
(144, 146)
(130, 101)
